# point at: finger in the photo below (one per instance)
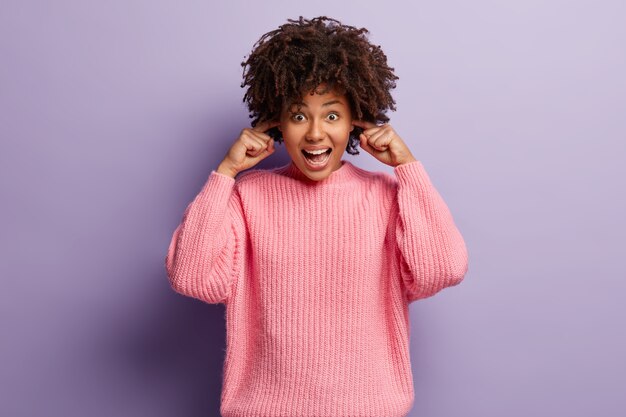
(266, 125)
(266, 146)
(254, 146)
(264, 137)
(264, 153)
(366, 146)
(363, 124)
(381, 139)
(371, 132)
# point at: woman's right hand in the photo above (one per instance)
(251, 147)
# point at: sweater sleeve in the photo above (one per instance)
(206, 249)
(432, 251)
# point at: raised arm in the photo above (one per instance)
(432, 250)
(205, 252)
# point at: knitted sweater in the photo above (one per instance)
(317, 278)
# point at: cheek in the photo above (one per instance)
(291, 132)
(343, 131)
(291, 138)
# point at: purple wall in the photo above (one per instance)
(112, 115)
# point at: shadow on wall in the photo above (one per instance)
(165, 361)
(163, 353)
(178, 351)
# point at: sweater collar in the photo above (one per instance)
(343, 174)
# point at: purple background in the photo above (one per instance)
(112, 115)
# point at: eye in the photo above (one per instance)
(333, 116)
(298, 117)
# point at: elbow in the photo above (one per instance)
(170, 263)
(457, 276)
(429, 288)
(426, 285)
(209, 289)
(458, 268)
(181, 285)
(172, 277)
(175, 275)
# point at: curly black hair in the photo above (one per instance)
(300, 55)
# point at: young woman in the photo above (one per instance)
(318, 260)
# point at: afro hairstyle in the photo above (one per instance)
(300, 55)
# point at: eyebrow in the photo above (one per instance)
(323, 105)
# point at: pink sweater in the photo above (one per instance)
(317, 278)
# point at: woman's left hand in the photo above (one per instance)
(383, 143)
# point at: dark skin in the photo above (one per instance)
(302, 54)
(253, 145)
(383, 143)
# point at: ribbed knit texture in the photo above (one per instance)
(317, 278)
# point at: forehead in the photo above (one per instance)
(316, 99)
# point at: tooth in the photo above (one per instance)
(317, 152)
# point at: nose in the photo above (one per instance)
(315, 132)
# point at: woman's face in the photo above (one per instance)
(322, 125)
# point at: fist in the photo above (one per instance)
(383, 143)
(251, 147)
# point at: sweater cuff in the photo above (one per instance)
(218, 188)
(412, 173)
(223, 176)
(220, 181)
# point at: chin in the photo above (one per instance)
(318, 174)
(314, 175)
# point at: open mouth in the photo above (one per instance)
(317, 158)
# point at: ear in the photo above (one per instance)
(280, 128)
(351, 127)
